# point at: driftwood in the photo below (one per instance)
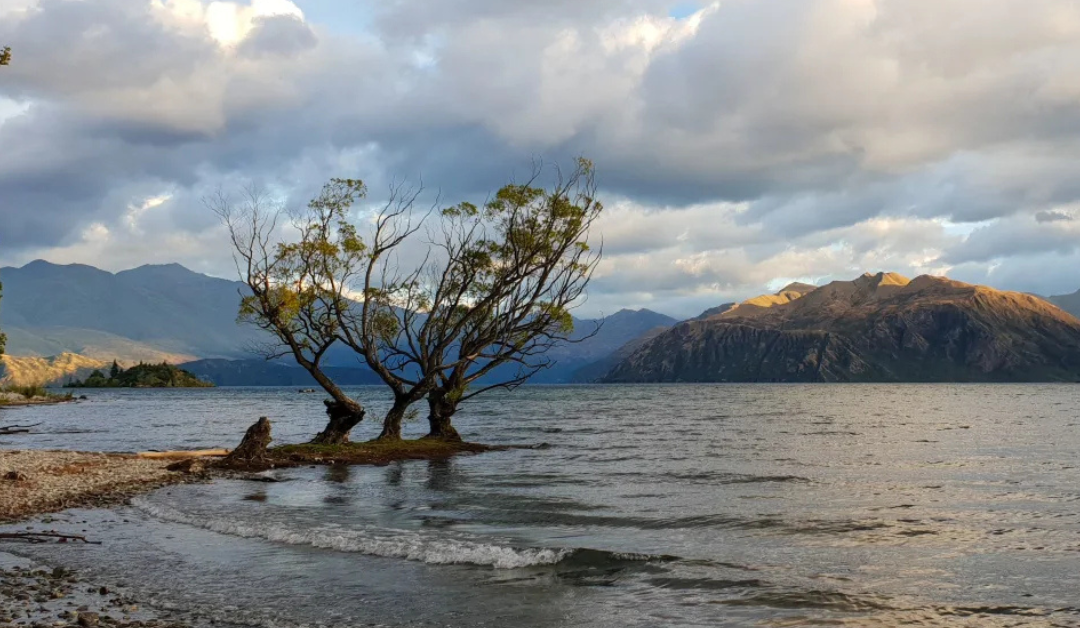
(184, 455)
(250, 454)
(45, 537)
(16, 429)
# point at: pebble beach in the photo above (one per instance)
(34, 483)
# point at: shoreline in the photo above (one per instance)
(32, 595)
(37, 482)
(15, 400)
(375, 453)
(40, 481)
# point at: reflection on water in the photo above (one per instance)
(722, 505)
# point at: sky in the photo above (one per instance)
(739, 145)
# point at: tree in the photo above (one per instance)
(283, 298)
(5, 56)
(494, 292)
(114, 370)
(518, 286)
(3, 337)
(494, 289)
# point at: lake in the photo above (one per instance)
(668, 505)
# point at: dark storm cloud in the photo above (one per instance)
(1053, 216)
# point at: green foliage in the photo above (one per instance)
(300, 283)
(162, 375)
(32, 392)
(28, 391)
(520, 280)
(5, 56)
(496, 287)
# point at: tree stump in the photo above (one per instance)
(250, 454)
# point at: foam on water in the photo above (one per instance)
(374, 542)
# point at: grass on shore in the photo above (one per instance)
(374, 452)
(33, 393)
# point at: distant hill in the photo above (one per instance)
(151, 313)
(263, 373)
(170, 314)
(714, 311)
(1068, 302)
(595, 371)
(35, 371)
(876, 328)
(142, 376)
(90, 343)
(598, 340)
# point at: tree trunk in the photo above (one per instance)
(343, 418)
(392, 423)
(441, 411)
(250, 454)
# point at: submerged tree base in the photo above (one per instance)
(374, 452)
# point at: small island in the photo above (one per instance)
(162, 375)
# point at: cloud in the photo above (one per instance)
(745, 141)
(1055, 215)
(282, 35)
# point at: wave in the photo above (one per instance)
(374, 542)
(405, 544)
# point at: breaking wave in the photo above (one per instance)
(374, 542)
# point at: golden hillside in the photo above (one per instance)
(30, 371)
(876, 328)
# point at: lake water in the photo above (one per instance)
(725, 505)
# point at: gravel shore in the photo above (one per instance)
(36, 482)
(37, 597)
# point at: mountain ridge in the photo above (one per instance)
(169, 313)
(877, 327)
(1068, 302)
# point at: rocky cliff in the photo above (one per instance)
(880, 327)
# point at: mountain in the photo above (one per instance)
(151, 313)
(595, 371)
(880, 327)
(36, 371)
(168, 313)
(714, 311)
(597, 339)
(263, 373)
(1068, 302)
